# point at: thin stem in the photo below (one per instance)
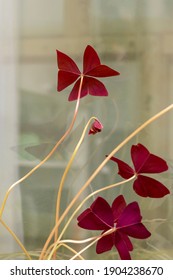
(75, 242)
(49, 155)
(81, 204)
(58, 243)
(66, 171)
(149, 121)
(93, 242)
(111, 154)
(90, 195)
(159, 220)
(69, 248)
(16, 239)
(84, 249)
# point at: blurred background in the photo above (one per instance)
(133, 37)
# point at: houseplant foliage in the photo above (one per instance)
(116, 225)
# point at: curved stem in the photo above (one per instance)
(49, 155)
(58, 243)
(81, 204)
(90, 195)
(126, 140)
(69, 248)
(93, 242)
(16, 239)
(149, 121)
(66, 171)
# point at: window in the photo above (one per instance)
(132, 37)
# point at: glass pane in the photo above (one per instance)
(37, 21)
(132, 37)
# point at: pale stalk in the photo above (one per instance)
(49, 155)
(158, 220)
(81, 204)
(84, 249)
(16, 239)
(58, 243)
(93, 242)
(66, 171)
(111, 154)
(50, 251)
(90, 195)
(69, 248)
(141, 127)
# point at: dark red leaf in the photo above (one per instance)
(125, 170)
(149, 187)
(99, 216)
(118, 207)
(127, 241)
(102, 71)
(105, 243)
(101, 208)
(122, 246)
(94, 87)
(124, 220)
(130, 222)
(90, 59)
(68, 72)
(65, 79)
(75, 91)
(90, 86)
(130, 216)
(136, 231)
(145, 162)
(88, 220)
(67, 64)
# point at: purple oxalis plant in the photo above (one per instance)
(144, 162)
(120, 221)
(69, 73)
(124, 219)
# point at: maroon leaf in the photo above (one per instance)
(88, 220)
(99, 216)
(95, 87)
(103, 211)
(149, 187)
(136, 231)
(105, 243)
(124, 220)
(90, 86)
(102, 71)
(122, 247)
(68, 73)
(65, 79)
(145, 162)
(75, 91)
(130, 216)
(124, 169)
(67, 64)
(118, 207)
(90, 59)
